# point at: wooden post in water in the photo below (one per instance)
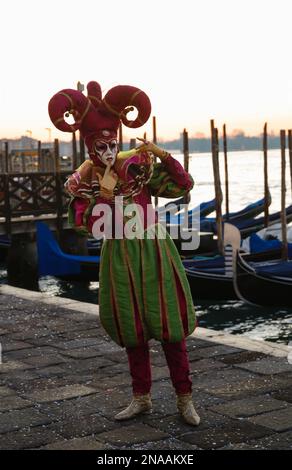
(283, 195)
(266, 184)
(218, 193)
(132, 144)
(290, 154)
(121, 144)
(186, 154)
(39, 155)
(6, 158)
(59, 208)
(80, 87)
(186, 149)
(154, 134)
(7, 208)
(226, 172)
(74, 152)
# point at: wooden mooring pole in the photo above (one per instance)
(283, 195)
(121, 144)
(154, 137)
(6, 158)
(39, 155)
(186, 153)
(59, 187)
(226, 172)
(217, 184)
(290, 154)
(80, 87)
(266, 183)
(74, 152)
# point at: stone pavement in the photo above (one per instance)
(62, 380)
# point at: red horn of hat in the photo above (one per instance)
(122, 98)
(93, 115)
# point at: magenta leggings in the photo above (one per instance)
(177, 360)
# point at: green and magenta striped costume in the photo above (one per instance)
(144, 292)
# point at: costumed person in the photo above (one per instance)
(143, 288)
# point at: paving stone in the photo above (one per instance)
(60, 393)
(52, 371)
(31, 352)
(280, 420)
(242, 357)
(165, 444)
(281, 441)
(84, 426)
(276, 441)
(218, 350)
(86, 365)
(249, 387)
(18, 419)
(29, 438)
(132, 433)
(42, 361)
(82, 353)
(285, 395)
(13, 402)
(205, 364)
(6, 391)
(249, 407)
(267, 366)
(196, 343)
(175, 426)
(12, 365)
(222, 376)
(77, 407)
(77, 343)
(233, 432)
(16, 378)
(14, 346)
(83, 443)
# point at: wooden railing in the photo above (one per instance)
(33, 194)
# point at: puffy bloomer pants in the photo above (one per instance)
(177, 361)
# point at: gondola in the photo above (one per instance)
(212, 277)
(268, 283)
(52, 261)
(248, 226)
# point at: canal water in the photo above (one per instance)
(246, 186)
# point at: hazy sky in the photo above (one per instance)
(196, 59)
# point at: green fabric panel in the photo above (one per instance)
(133, 253)
(177, 262)
(161, 184)
(150, 279)
(123, 292)
(105, 304)
(175, 326)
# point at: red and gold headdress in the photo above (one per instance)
(96, 117)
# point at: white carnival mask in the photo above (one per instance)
(106, 151)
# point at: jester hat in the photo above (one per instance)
(99, 118)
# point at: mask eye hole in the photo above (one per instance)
(100, 147)
(113, 145)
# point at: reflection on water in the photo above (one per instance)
(261, 323)
(82, 291)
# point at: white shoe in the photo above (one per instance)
(187, 410)
(139, 404)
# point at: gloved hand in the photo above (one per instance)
(107, 182)
(150, 147)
